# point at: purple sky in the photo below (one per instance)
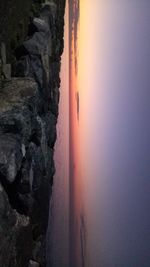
(114, 85)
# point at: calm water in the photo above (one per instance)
(78, 229)
(67, 233)
(58, 239)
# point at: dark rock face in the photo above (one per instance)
(28, 117)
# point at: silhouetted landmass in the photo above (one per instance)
(74, 13)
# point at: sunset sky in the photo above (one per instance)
(114, 87)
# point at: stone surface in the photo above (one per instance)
(33, 264)
(10, 157)
(3, 53)
(28, 117)
(6, 71)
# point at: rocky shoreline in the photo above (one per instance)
(28, 117)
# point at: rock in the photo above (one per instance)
(50, 122)
(0, 74)
(36, 45)
(22, 68)
(18, 93)
(22, 220)
(3, 53)
(10, 157)
(7, 229)
(28, 117)
(33, 264)
(6, 71)
(37, 251)
(41, 25)
(49, 10)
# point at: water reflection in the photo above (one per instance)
(78, 233)
(78, 104)
(58, 236)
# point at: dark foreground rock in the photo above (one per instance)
(28, 117)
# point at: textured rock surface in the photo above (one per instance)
(28, 117)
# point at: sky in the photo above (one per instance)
(114, 87)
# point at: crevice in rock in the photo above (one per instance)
(34, 139)
(13, 193)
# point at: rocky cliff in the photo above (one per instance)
(28, 117)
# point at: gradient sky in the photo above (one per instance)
(114, 86)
